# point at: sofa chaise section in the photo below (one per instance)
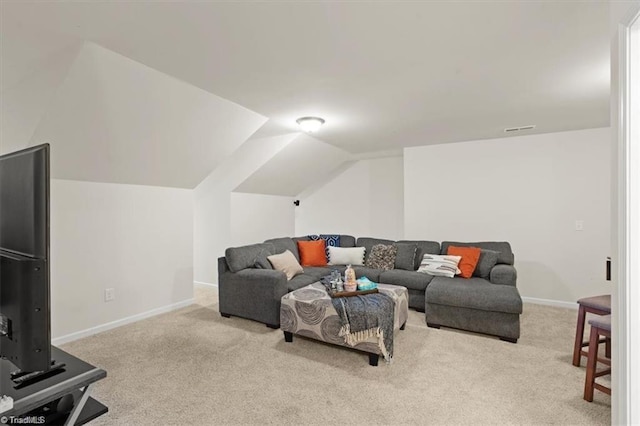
(490, 306)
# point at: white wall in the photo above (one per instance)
(135, 239)
(257, 217)
(366, 199)
(528, 190)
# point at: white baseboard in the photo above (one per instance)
(205, 284)
(115, 324)
(548, 302)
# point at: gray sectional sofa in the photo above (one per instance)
(250, 288)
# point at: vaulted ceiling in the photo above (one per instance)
(190, 81)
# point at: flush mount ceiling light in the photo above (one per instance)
(310, 124)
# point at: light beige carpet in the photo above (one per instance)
(192, 366)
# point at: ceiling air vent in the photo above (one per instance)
(519, 129)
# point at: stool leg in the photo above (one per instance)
(577, 347)
(591, 365)
(607, 348)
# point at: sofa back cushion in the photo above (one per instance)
(287, 243)
(347, 241)
(251, 256)
(368, 243)
(405, 256)
(488, 259)
(422, 247)
(504, 248)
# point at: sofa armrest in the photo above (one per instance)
(253, 294)
(260, 282)
(503, 274)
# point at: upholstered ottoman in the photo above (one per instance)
(309, 312)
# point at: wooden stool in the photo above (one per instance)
(599, 305)
(599, 327)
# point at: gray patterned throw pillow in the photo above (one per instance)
(382, 257)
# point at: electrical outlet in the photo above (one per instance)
(579, 225)
(109, 294)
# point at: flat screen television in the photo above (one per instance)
(25, 309)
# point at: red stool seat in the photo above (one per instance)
(598, 305)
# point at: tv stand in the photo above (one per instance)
(60, 398)
(25, 378)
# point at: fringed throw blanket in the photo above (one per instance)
(367, 316)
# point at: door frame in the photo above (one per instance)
(626, 318)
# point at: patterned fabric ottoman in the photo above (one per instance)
(309, 312)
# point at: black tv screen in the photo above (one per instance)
(25, 315)
(24, 207)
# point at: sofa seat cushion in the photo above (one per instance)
(410, 279)
(372, 274)
(474, 293)
(300, 281)
(319, 271)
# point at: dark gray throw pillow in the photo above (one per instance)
(487, 260)
(251, 256)
(405, 257)
(262, 262)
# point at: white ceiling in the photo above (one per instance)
(383, 74)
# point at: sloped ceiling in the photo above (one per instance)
(24, 102)
(300, 164)
(25, 49)
(115, 120)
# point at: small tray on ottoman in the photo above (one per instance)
(335, 293)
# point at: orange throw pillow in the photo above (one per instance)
(470, 256)
(312, 253)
